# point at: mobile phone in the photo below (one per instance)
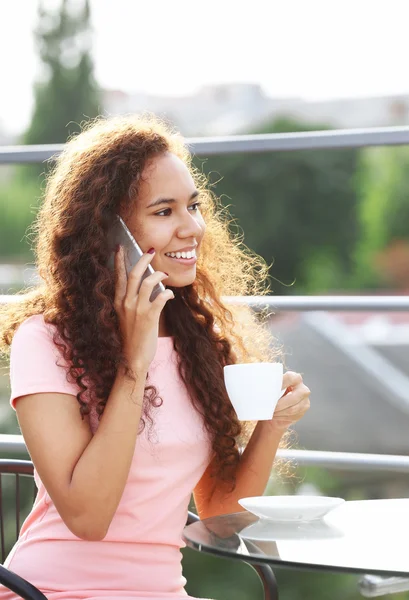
(120, 234)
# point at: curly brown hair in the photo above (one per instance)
(97, 175)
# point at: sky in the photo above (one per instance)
(311, 49)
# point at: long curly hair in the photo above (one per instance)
(97, 175)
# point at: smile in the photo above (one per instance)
(185, 255)
(183, 261)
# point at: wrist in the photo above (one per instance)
(136, 371)
(275, 426)
(140, 369)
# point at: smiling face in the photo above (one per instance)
(166, 217)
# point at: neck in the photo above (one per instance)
(163, 330)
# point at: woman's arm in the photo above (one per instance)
(84, 475)
(212, 497)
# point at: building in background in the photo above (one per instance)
(213, 110)
(357, 364)
(357, 367)
(238, 108)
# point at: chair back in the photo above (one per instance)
(17, 494)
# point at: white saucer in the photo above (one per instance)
(290, 508)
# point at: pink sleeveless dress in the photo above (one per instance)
(140, 556)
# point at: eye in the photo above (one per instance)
(164, 213)
(168, 211)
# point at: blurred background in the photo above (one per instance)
(327, 221)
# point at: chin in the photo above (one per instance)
(179, 282)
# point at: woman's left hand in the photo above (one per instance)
(294, 403)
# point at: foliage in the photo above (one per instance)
(67, 93)
(219, 578)
(297, 209)
(64, 96)
(18, 203)
(381, 254)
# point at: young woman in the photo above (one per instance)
(121, 401)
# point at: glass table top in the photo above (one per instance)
(366, 536)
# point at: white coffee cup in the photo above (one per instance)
(254, 389)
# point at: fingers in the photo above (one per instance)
(147, 287)
(126, 287)
(291, 379)
(293, 401)
(161, 300)
(135, 276)
(285, 417)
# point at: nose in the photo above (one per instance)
(190, 227)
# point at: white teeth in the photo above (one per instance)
(189, 254)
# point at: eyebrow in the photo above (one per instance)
(170, 200)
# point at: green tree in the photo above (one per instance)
(18, 204)
(297, 209)
(382, 250)
(66, 92)
(65, 95)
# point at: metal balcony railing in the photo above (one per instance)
(345, 461)
(370, 586)
(307, 303)
(234, 144)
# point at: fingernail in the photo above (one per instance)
(151, 251)
(117, 248)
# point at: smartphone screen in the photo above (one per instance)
(120, 234)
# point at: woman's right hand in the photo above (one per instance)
(138, 316)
